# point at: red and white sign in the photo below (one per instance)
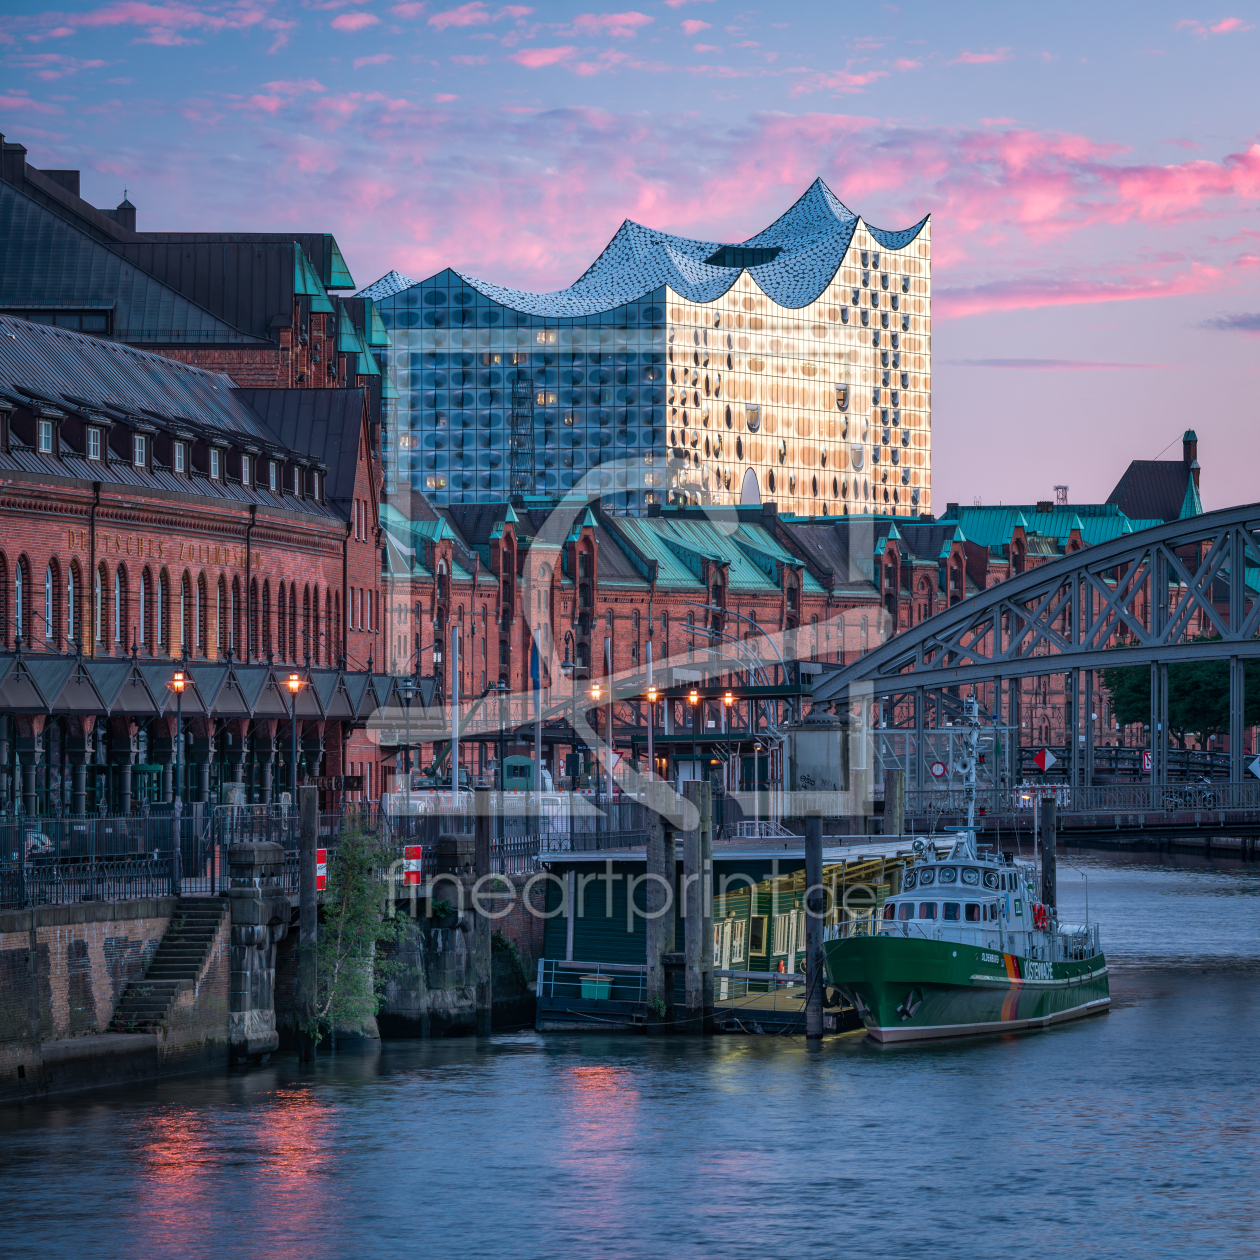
(1146, 761)
(938, 769)
(1045, 759)
(321, 869)
(412, 864)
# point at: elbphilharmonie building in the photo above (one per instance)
(795, 366)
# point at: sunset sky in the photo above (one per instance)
(1092, 172)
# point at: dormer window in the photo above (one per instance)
(139, 450)
(297, 482)
(245, 470)
(315, 485)
(45, 438)
(179, 457)
(215, 457)
(273, 476)
(93, 443)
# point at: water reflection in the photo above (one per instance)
(1130, 1135)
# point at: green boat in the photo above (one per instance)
(965, 948)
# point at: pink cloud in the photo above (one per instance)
(905, 63)
(473, 14)
(464, 59)
(678, 4)
(513, 11)
(1227, 26)
(536, 58)
(354, 21)
(413, 10)
(981, 59)
(378, 59)
(19, 100)
(618, 25)
(163, 22)
(841, 81)
(705, 48)
(51, 66)
(444, 98)
(693, 26)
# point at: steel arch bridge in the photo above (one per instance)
(1185, 591)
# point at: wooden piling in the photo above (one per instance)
(814, 894)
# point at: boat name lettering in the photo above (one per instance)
(1037, 971)
(990, 958)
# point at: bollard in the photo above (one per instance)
(308, 921)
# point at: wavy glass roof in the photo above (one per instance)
(805, 247)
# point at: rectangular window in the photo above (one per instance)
(271, 476)
(738, 939)
(951, 911)
(45, 437)
(927, 909)
(214, 463)
(138, 450)
(297, 481)
(973, 912)
(785, 933)
(178, 456)
(94, 444)
(244, 470)
(757, 934)
(315, 485)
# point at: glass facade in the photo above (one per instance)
(711, 392)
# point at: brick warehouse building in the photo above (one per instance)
(154, 513)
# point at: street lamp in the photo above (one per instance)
(728, 700)
(408, 691)
(693, 699)
(295, 685)
(177, 686)
(651, 699)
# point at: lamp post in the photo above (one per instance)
(693, 699)
(295, 685)
(727, 701)
(595, 694)
(177, 686)
(408, 692)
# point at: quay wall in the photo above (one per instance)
(62, 971)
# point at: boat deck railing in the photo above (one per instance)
(1070, 943)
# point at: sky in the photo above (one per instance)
(1092, 173)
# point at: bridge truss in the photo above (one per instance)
(1185, 591)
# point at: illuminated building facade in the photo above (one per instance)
(794, 367)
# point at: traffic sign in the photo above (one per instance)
(1146, 761)
(1255, 767)
(321, 869)
(1045, 759)
(938, 768)
(412, 864)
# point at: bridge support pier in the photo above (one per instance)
(1237, 682)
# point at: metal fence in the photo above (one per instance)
(1112, 798)
(55, 882)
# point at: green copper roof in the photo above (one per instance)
(1191, 505)
(339, 276)
(306, 283)
(377, 333)
(510, 515)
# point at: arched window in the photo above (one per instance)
(315, 624)
(200, 610)
(340, 630)
(164, 612)
(185, 612)
(72, 603)
(328, 627)
(145, 612)
(98, 605)
(293, 622)
(48, 602)
(4, 600)
(252, 618)
(221, 613)
(234, 625)
(120, 605)
(20, 587)
(265, 611)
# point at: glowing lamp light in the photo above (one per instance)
(595, 691)
(295, 684)
(177, 683)
(651, 695)
(728, 699)
(694, 697)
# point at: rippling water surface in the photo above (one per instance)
(1132, 1134)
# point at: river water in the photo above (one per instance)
(1130, 1134)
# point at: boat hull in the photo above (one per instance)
(910, 989)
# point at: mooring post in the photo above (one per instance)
(308, 921)
(814, 895)
(481, 921)
(894, 804)
(694, 916)
(1049, 825)
(706, 902)
(660, 916)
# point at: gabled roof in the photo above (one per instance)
(1153, 489)
(792, 261)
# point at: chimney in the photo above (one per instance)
(125, 215)
(1190, 452)
(69, 180)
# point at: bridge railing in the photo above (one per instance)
(1112, 798)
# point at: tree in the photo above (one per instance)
(350, 979)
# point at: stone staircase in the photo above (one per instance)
(180, 956)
